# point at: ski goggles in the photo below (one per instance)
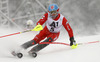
(53, 12)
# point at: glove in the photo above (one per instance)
(37, 28)
(73, 43)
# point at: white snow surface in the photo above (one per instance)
(53, 52)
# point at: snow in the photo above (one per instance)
(52, 53)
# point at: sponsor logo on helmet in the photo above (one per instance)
(52, 7)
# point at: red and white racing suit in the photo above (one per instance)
(52, 27)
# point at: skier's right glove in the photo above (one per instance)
(73, 43)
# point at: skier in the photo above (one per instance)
(54, 21)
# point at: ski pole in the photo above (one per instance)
(54, 43)
(37, 28)
(68, 44)
(88, 43)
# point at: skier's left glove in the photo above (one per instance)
(38, 28)
(73, 43)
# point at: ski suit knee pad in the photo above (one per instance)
(49, 39)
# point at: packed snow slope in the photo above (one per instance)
(52, 53)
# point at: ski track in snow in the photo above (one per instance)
(52, 53)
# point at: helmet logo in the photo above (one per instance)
(52, 7)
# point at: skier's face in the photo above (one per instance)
(53, 14)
